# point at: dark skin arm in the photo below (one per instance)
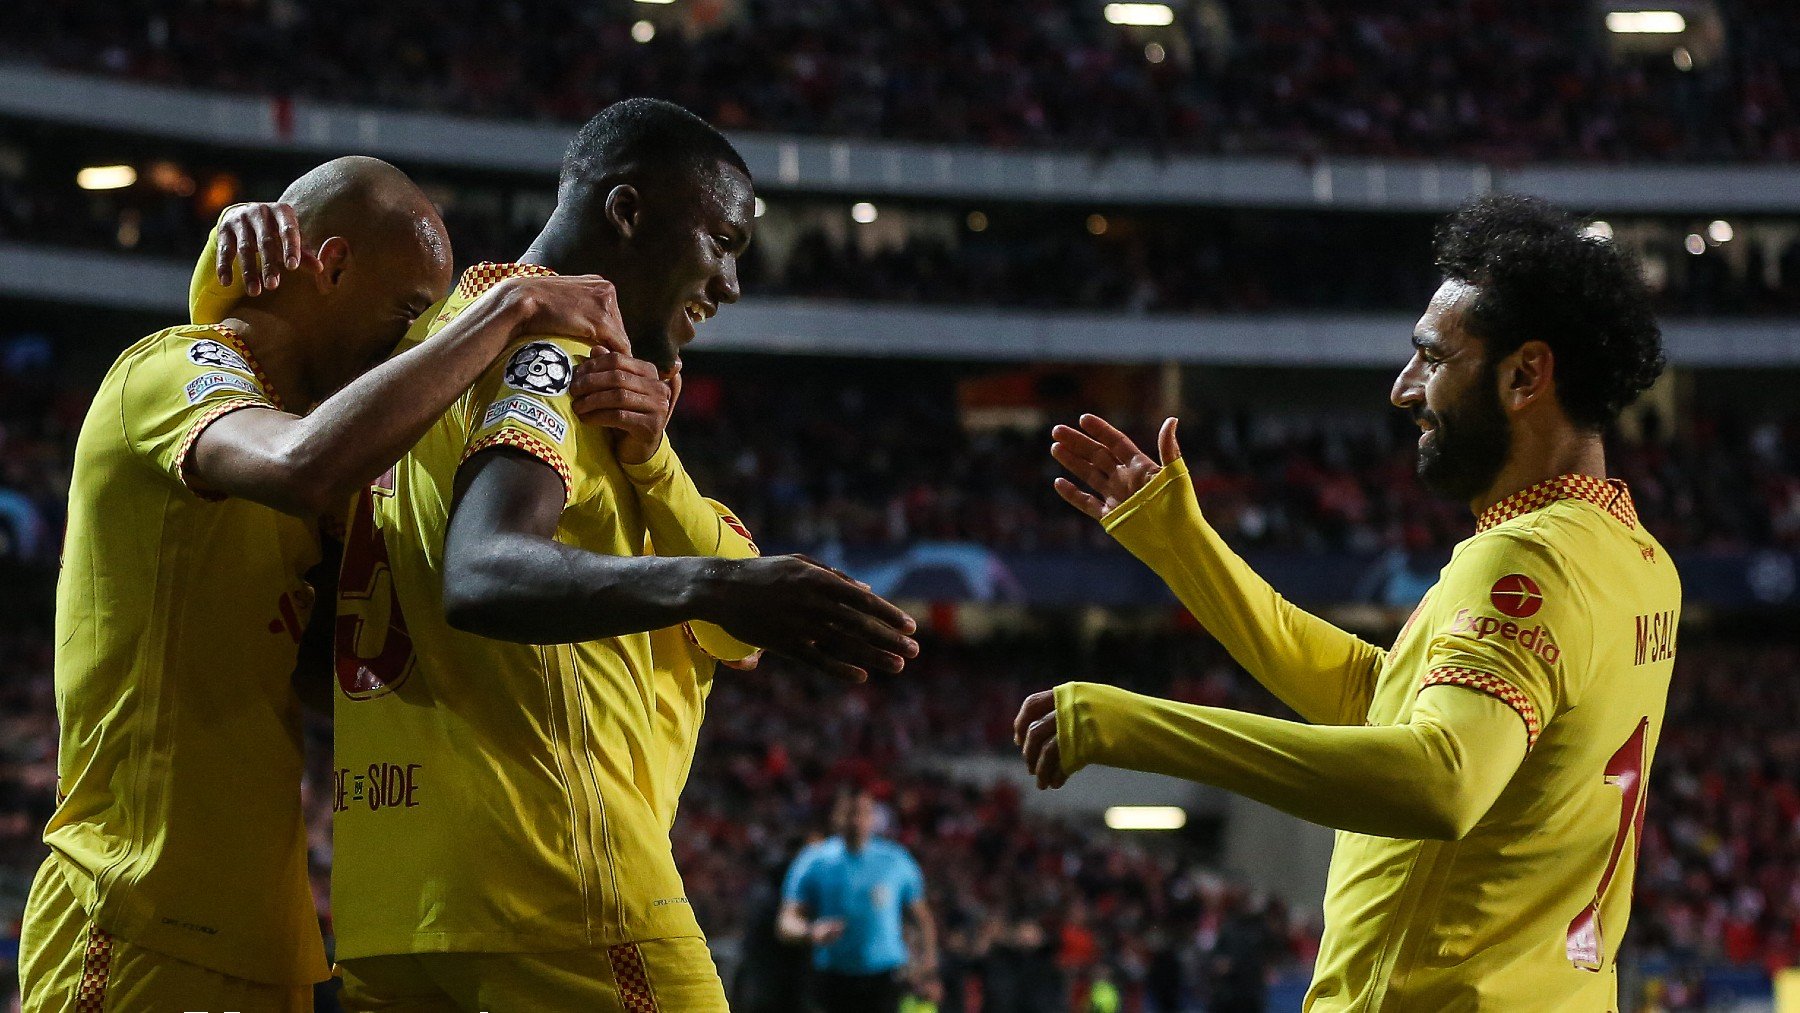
(314, 464)
(308, 465)
(506, 577)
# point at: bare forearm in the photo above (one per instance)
(529, 589)
(928, 947)
(791, 925)
(357, 433)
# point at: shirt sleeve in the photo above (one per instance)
(796, 886)
(684, 523)
(1324, 673)
(176, 387)
(681, 521)
(1515, 627)
(1433, 777)
(912, 883)
(523, 402)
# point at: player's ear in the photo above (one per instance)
(334, 260)
(1527, 374)
(623, 206)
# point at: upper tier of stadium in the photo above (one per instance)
(1534, 80)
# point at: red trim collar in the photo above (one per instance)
(1609, 494)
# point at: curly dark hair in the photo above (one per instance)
(1538, 278)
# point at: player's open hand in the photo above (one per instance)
(812, 614)
(266, 239)
(1034, 732)
(1106, 462)
(628, 396)
(584, 307)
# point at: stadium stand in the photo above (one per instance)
(1505, 82)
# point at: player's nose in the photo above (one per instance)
(724, 287)
(1407, 390)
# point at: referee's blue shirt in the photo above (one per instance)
(869, 889)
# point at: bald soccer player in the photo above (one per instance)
(177, 877)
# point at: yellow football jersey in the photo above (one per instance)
(686, 656)
(495, 796)
(178, 616)
(1563, 609)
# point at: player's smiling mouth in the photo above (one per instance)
(699, 311)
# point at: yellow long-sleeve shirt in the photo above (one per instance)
(1487, 839)
(681, 522)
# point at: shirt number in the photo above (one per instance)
(1626, 770)
(374, 652)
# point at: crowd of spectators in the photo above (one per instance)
(1476, 78)
(815, 456)
(1192, 261)
(1720, 861)
(827, 457)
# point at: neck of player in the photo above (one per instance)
(275, 344)
(564, 247)
(1543, 453)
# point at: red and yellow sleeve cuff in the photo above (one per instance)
(1494, 686)
(521, 440)
(183, 453)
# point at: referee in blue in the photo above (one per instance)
(849, 896)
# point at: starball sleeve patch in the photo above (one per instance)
(539, 368)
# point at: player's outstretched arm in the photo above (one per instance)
(1432, 778)
(312, 464)
(1324, 673)
(506, 577)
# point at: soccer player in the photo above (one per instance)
(1487, 773)
(177, 877)
(511, 731)
(849, 896)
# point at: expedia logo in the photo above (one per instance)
(1537, 639)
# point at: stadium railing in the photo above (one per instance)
(876, 168)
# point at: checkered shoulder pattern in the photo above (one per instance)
(1609, 494)
(1494, 686)
(236, 341)
(217, 411)
(531, 445)
(486, 275)
(632, 980)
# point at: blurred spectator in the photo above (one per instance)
(1184, 260)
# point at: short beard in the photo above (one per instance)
(1463, 455)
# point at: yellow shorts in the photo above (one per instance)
(655, 976)
(67, 964)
